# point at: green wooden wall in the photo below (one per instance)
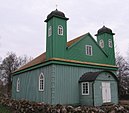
(56, 44)
(87, 99)
(61, 85)
(29, 85)
(108, 50)
(104, 77)
(78, 51)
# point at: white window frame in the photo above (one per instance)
(84, 92)
(101, 43)
(18, 85)
(60, 30)
(49, 31)
(110, 43)
(88, 49)
(41, 82)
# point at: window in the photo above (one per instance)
(60, 30)
(85, 88)
(101, 43)
(18, 85)
(110, 43)
(88, 49)
(41, 82)
(49, 31)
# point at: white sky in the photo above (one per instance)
(23, 30)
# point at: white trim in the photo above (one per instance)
(86, 83)
(18, 85)
(60, 30)
(88, 50)
(41, 88)
(49, 31)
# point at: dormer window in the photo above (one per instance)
(60, 30)
(88, 49)
(101, 43)
(110, 43)
(49, 31)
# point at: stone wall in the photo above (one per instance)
(24, 106)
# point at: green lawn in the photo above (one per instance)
(4, 109)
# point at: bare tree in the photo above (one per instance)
(123, 74)
(8, 65)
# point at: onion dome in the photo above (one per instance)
(104, 30)
(56, 13)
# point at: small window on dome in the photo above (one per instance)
(101, 43)
(60, 30)
(49, 31)
(110, 43)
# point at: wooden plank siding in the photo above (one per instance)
(61, 85)
(66, 83)
(104, 77)
(29, 85)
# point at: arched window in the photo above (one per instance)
(60, 30)
(18, 85)
(41, 82)
(110, 43)
(49, 31)
(101, 43)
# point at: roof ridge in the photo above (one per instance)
(69, 43)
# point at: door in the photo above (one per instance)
(106, 92)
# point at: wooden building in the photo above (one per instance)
(81, 71)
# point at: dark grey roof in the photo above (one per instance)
(104, 30)
(57, 14)
(91, 76)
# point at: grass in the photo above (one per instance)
(4, 109)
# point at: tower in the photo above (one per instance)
(56, 36)
(106, 42)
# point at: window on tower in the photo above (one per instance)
(60, 30)
(110, 43)
(101, 43)
(49, 31)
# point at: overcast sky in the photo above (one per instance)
(23, 30)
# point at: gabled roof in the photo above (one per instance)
(42, 58)
(75, 40)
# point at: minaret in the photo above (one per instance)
(56, 36)
(106, 42)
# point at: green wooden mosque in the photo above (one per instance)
(79, 72)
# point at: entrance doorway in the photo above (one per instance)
(106, 92)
